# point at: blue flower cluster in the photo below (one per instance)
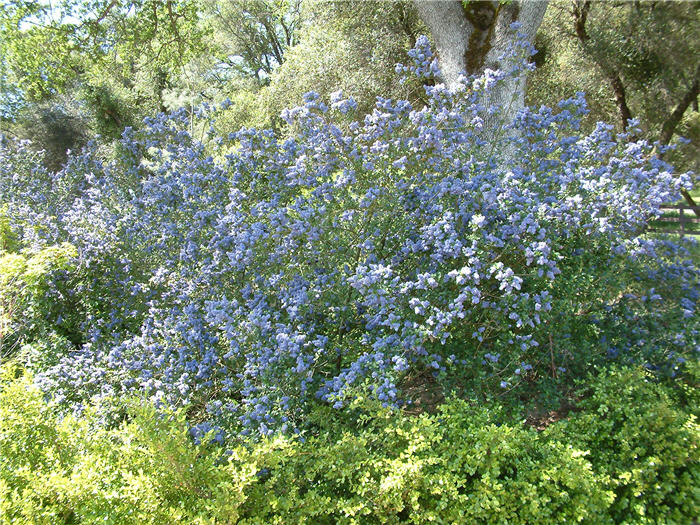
(655, 322)
(253, 273)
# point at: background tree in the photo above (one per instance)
(250, 40)
(117, 57)
(351, 46)
(632, 59)
(471, 36)
(57, 126)
(252, 36)
(118, 61)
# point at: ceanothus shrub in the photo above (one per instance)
(248, 275)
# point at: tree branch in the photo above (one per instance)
(671, 123)
(580, 12)
(104, 13)
(620, 97)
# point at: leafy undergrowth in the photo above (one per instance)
(628, 453)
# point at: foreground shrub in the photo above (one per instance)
(627, 455)
(75, 470)
(37, 292)
(642, 446)
(449, 468)
(454, 467)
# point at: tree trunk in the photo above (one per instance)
(472, 36)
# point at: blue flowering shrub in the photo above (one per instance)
(637, 309)
(256, 275)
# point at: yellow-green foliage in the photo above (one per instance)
(642, 445)
(453, 467)
(22, 274)
(8, 239)
(25, 302)
(76, 471)
(629, 456)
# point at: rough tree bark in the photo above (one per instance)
(470, 36)
(690, 97)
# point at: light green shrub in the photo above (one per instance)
(38, 305)
(453, 467)
(629, 456)
(641, 445)
(74, 470)
(8, 238)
